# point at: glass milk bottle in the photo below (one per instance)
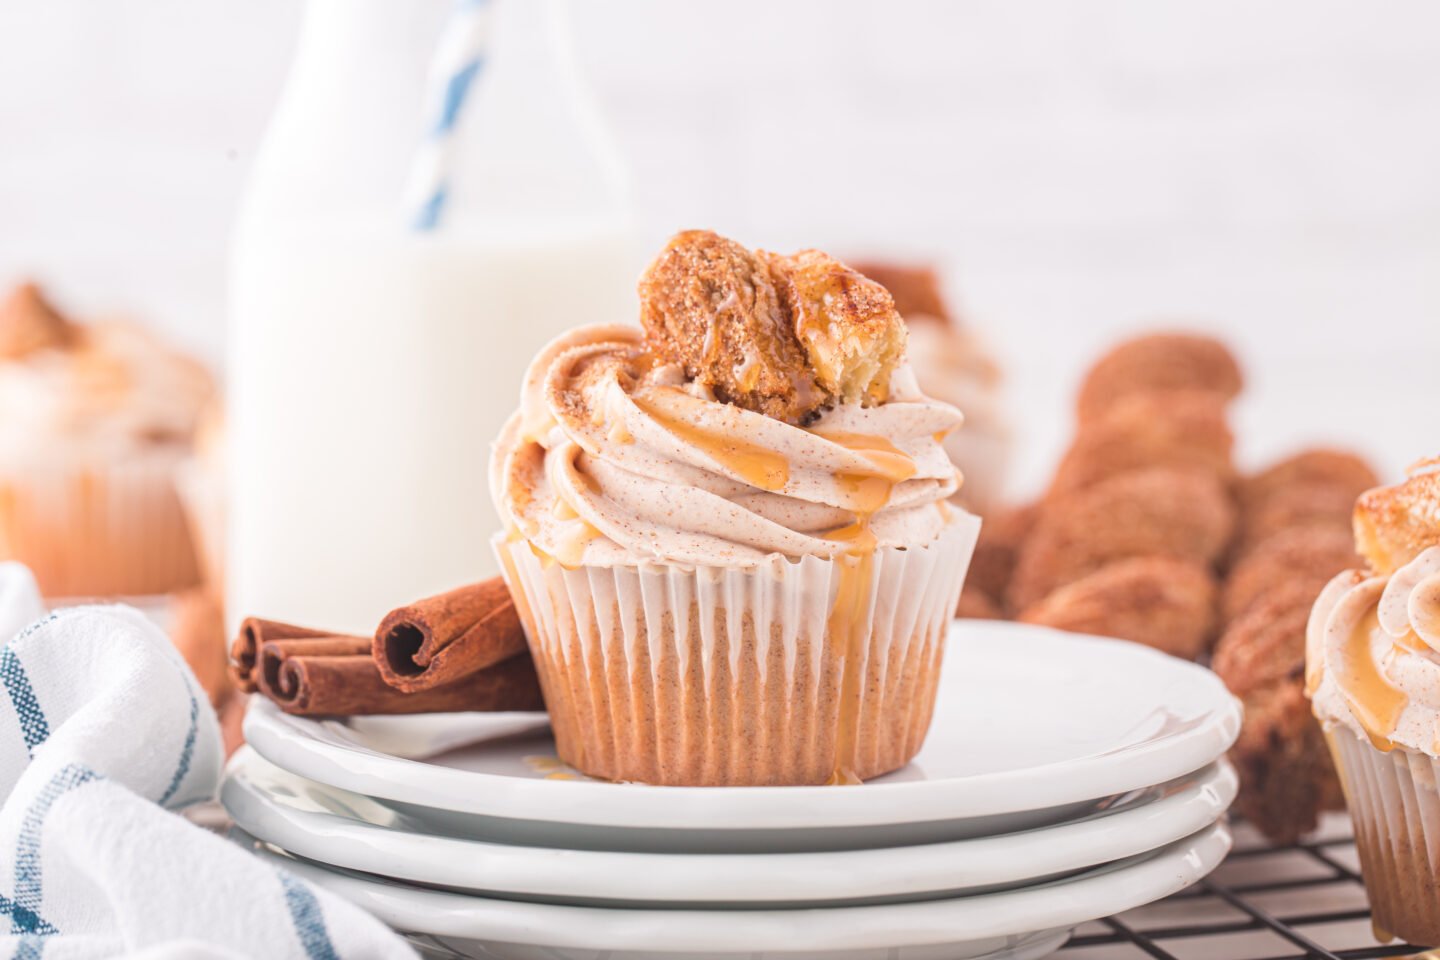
(397, 261)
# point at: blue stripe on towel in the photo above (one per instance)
(30, 947)
(50, 617)
(24, 920)
(309, 921)
(187, 752)
(29, 892)
(17, 683)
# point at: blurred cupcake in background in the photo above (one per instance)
(953, 365)
(200, 481)
(96, 419)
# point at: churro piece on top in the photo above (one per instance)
(1393, 525)
(783, 336)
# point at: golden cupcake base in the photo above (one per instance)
(1395, 807)
(737, 677)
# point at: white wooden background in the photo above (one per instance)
(1269, 170)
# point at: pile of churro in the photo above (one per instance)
(1148, 533)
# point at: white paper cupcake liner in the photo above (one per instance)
(1396, 810)
(672, 674)
(99, 530)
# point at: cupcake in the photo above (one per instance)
(953, 364)
(95, 420)
(1373, 676)
(201, 484)
(728, 533)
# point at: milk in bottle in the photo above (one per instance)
(372, 362)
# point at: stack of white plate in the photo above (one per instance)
(1064, 779)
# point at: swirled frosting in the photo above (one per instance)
(1372, 654)
(614, 458)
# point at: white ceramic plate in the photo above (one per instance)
(1031, 727)
(343, 829)
(965, 927)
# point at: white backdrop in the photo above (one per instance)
(1269, 170)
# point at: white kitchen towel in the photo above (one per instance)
(104, 732)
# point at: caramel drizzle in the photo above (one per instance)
(535, 424)
(888, 460)
(619, 434)
(868, 489)
(850, 615)
(571, 549)
(576, 533)
(846, 626)
(753, 463)
(1376, 703)
(1404, 603)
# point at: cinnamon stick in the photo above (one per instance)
(245, 651)
(349, 684)
(274, 654)
(442, 639)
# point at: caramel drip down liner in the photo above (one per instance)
(1393, 800)
(717, 676)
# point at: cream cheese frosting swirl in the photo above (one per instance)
(614, 458)
(1373, 654)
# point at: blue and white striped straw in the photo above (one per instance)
(459, 57)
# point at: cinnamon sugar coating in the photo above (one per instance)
(1308, 555)
(1159, 362)
(1333, 469)
(1394, 524)
(915, 289)
(783, 336)
(1286, 775)
(1164, 512)
(1174, 428)
(847, 323)
(1162, 602)
(976, 604)
(1306, 506)
(1001, 534)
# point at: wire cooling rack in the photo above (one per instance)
(1304, 902)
